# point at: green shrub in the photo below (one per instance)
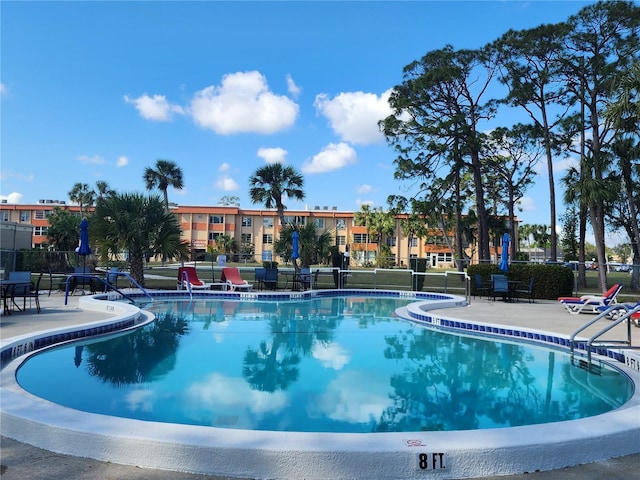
(551, 281)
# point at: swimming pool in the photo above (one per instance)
(340, 364)
(237, 452)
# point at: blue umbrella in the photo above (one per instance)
(504, 263)
(84, 248)
(295, 247)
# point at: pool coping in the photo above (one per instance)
(260, 454)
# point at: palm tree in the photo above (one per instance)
(166, 174)
(81, 195)
(269, 184)
(137, 224)
(103, 190)
(412, 227)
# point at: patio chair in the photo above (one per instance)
(231, 275)
(525, 290)
(480, 286)
(259, 277)
(591, 303)
(271, 279)
(188, 279)
(303, 281)
(500, 287)
(29, 291)
(112, 278)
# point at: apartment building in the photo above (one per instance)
(201, 225)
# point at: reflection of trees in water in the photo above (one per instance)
(448, 382)
(370, 311)
(294, 328)
(140, 356)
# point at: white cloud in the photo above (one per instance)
(354, 116)
(294, 90)
(331, 355)
(332, 157)
(273, 155)
(122, 161)
(7, 174)
(527, 204)
(154, 108)
(3, 89)
(353, 397)
(13, 197)
(226, 184)
(91, 160)
(243, 103)
(224, 167)
(365, 188)
(360, 202)
(223, 394)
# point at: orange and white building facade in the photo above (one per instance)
(260, 227)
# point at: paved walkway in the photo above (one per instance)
(20, 461)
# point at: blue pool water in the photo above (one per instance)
(340, 364)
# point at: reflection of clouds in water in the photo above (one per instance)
(140, 400)
(331, 355)
(353, 397)
(220, 393)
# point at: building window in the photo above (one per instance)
(445, 257)
(4, 217)
(341, 240)
(319, 222)
(295, 220)
(213, 236)
(245, 238)
(267, 238)
(391, 241)
(267, 222)
(247, 221)
(341, 224)
(40, 231)
(216, 219)
(361, 238)
(42, 214)
(413, 241)
(25, 216)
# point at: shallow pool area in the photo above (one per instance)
(486, 441)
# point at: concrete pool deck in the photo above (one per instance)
(24, 461)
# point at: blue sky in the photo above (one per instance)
(101, 90)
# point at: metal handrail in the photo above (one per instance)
(106, 283)
(614, 323)
(614, 343)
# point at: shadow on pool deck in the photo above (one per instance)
(19, 461)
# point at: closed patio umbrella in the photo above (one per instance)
(295, 247)
(504, 262)
(83, 249)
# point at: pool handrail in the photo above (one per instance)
(106, 284)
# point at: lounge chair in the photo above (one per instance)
(591, 303)
(188, 279)
(619, 309)
(231, 276)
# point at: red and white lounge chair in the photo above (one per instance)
(188, 279)
(591, 303)
(231, 275)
